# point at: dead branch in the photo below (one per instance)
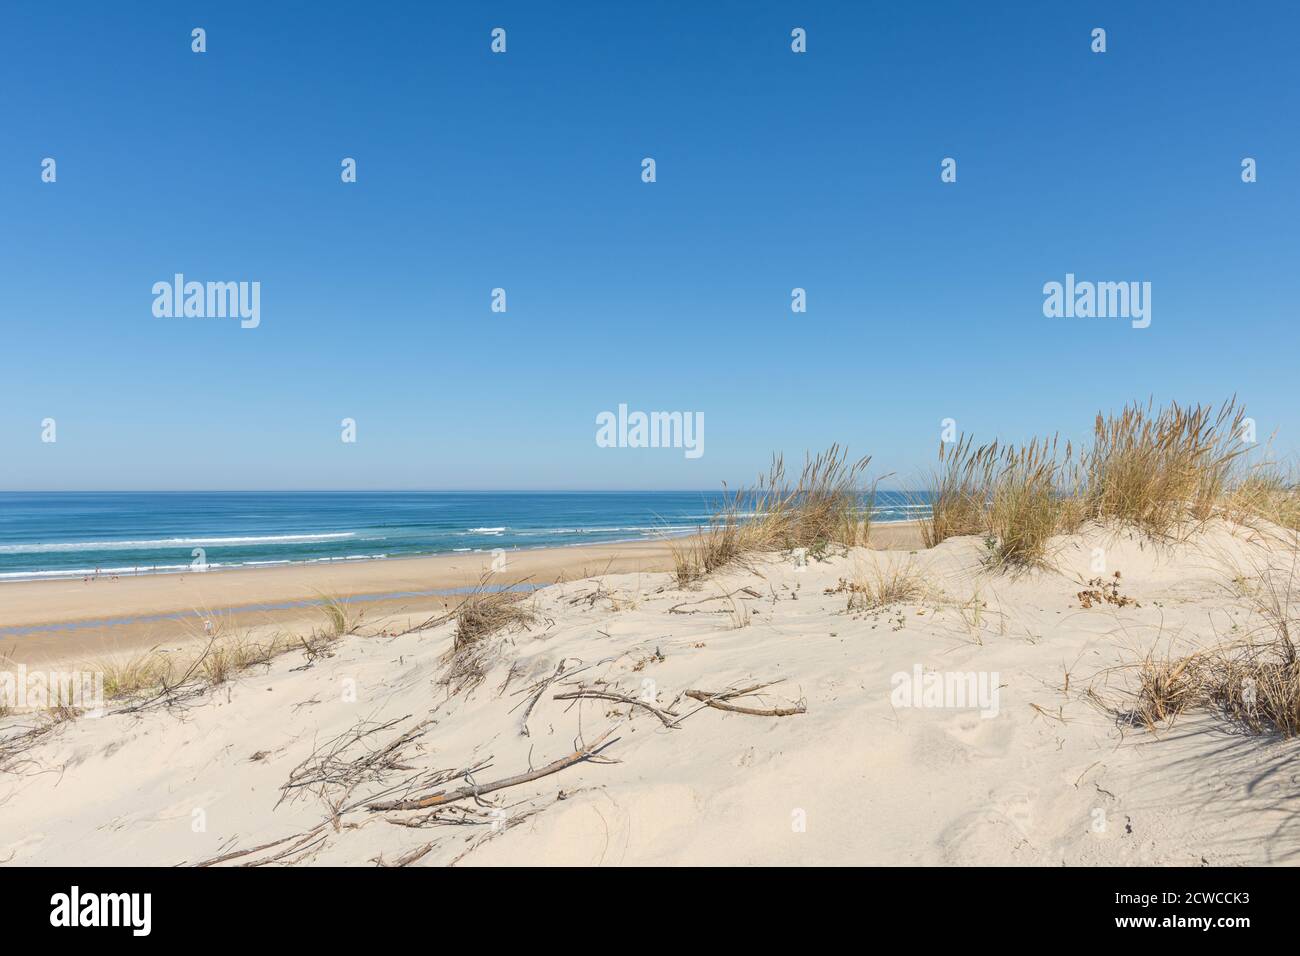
(406, 859)
(492, 834)
(717, 597)
(168, 689)
(718, 701)
(443, 797)
(298, 838)
(334, 767)
(589, 694)
(536, 696)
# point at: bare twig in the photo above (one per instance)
(442, 797)
(718, 701)
(585, 693)
(536, 696)
(717, 597)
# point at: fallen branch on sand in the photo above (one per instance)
(169, 689)
(300, 841)
(536, 696)
(406, 859)
(333, 767)
(588, 694)
(718, 701)
(717, 597)
(443, 797)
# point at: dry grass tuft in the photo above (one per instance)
(340, 619)
(824, 506)
(1166, 688)
(881, 584)
(962, 489)
(126, 677)
(1024, 506)
(1254, 682)
(219, 657)
(1009, 495)
(1160, 469)
(486, 611)
(1164, 471)
(1258, 687)
(1270, 493)
(1254, 686)
(738, 613)
(230, 657)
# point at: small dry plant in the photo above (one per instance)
(1254, 682)
(485, 612)
(880, 584)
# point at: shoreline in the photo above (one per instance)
(89, 575)
(62, 620)
(961, 668)
(74, 621)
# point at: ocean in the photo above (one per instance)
(75, 534)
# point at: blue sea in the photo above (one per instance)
(74, 534)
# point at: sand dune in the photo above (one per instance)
(1036, 773)
(76, 623)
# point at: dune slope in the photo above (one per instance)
(290, 756)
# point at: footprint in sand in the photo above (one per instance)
(1001, 832)
(24, 849)
(985, 738)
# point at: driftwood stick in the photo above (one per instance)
(299, 837)
(586, 694)
(308, 844)
(443, 796)
(717, 597)
(536, 696)
(406, 859)
(720, 695)
(718, 701)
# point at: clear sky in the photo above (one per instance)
(523, 170)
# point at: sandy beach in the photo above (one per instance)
(826, 747)
(71, 621)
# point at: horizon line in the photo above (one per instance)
(378, 491)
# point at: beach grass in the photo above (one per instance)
(1024, 504)
(486, 611)
(1253, 681)
(822, 507)
(883, 582)
(961, 488)
(1163, 471)
(221, 654)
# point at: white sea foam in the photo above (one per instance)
(91, 572)
(141, 545)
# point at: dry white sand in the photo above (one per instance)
(1049, 779)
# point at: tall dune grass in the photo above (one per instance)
(1163, 471)
(1270, 492)
(1158, 469)
(823, 506)
(1024, 506)
(962, 487)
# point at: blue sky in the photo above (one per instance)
(522, 171)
